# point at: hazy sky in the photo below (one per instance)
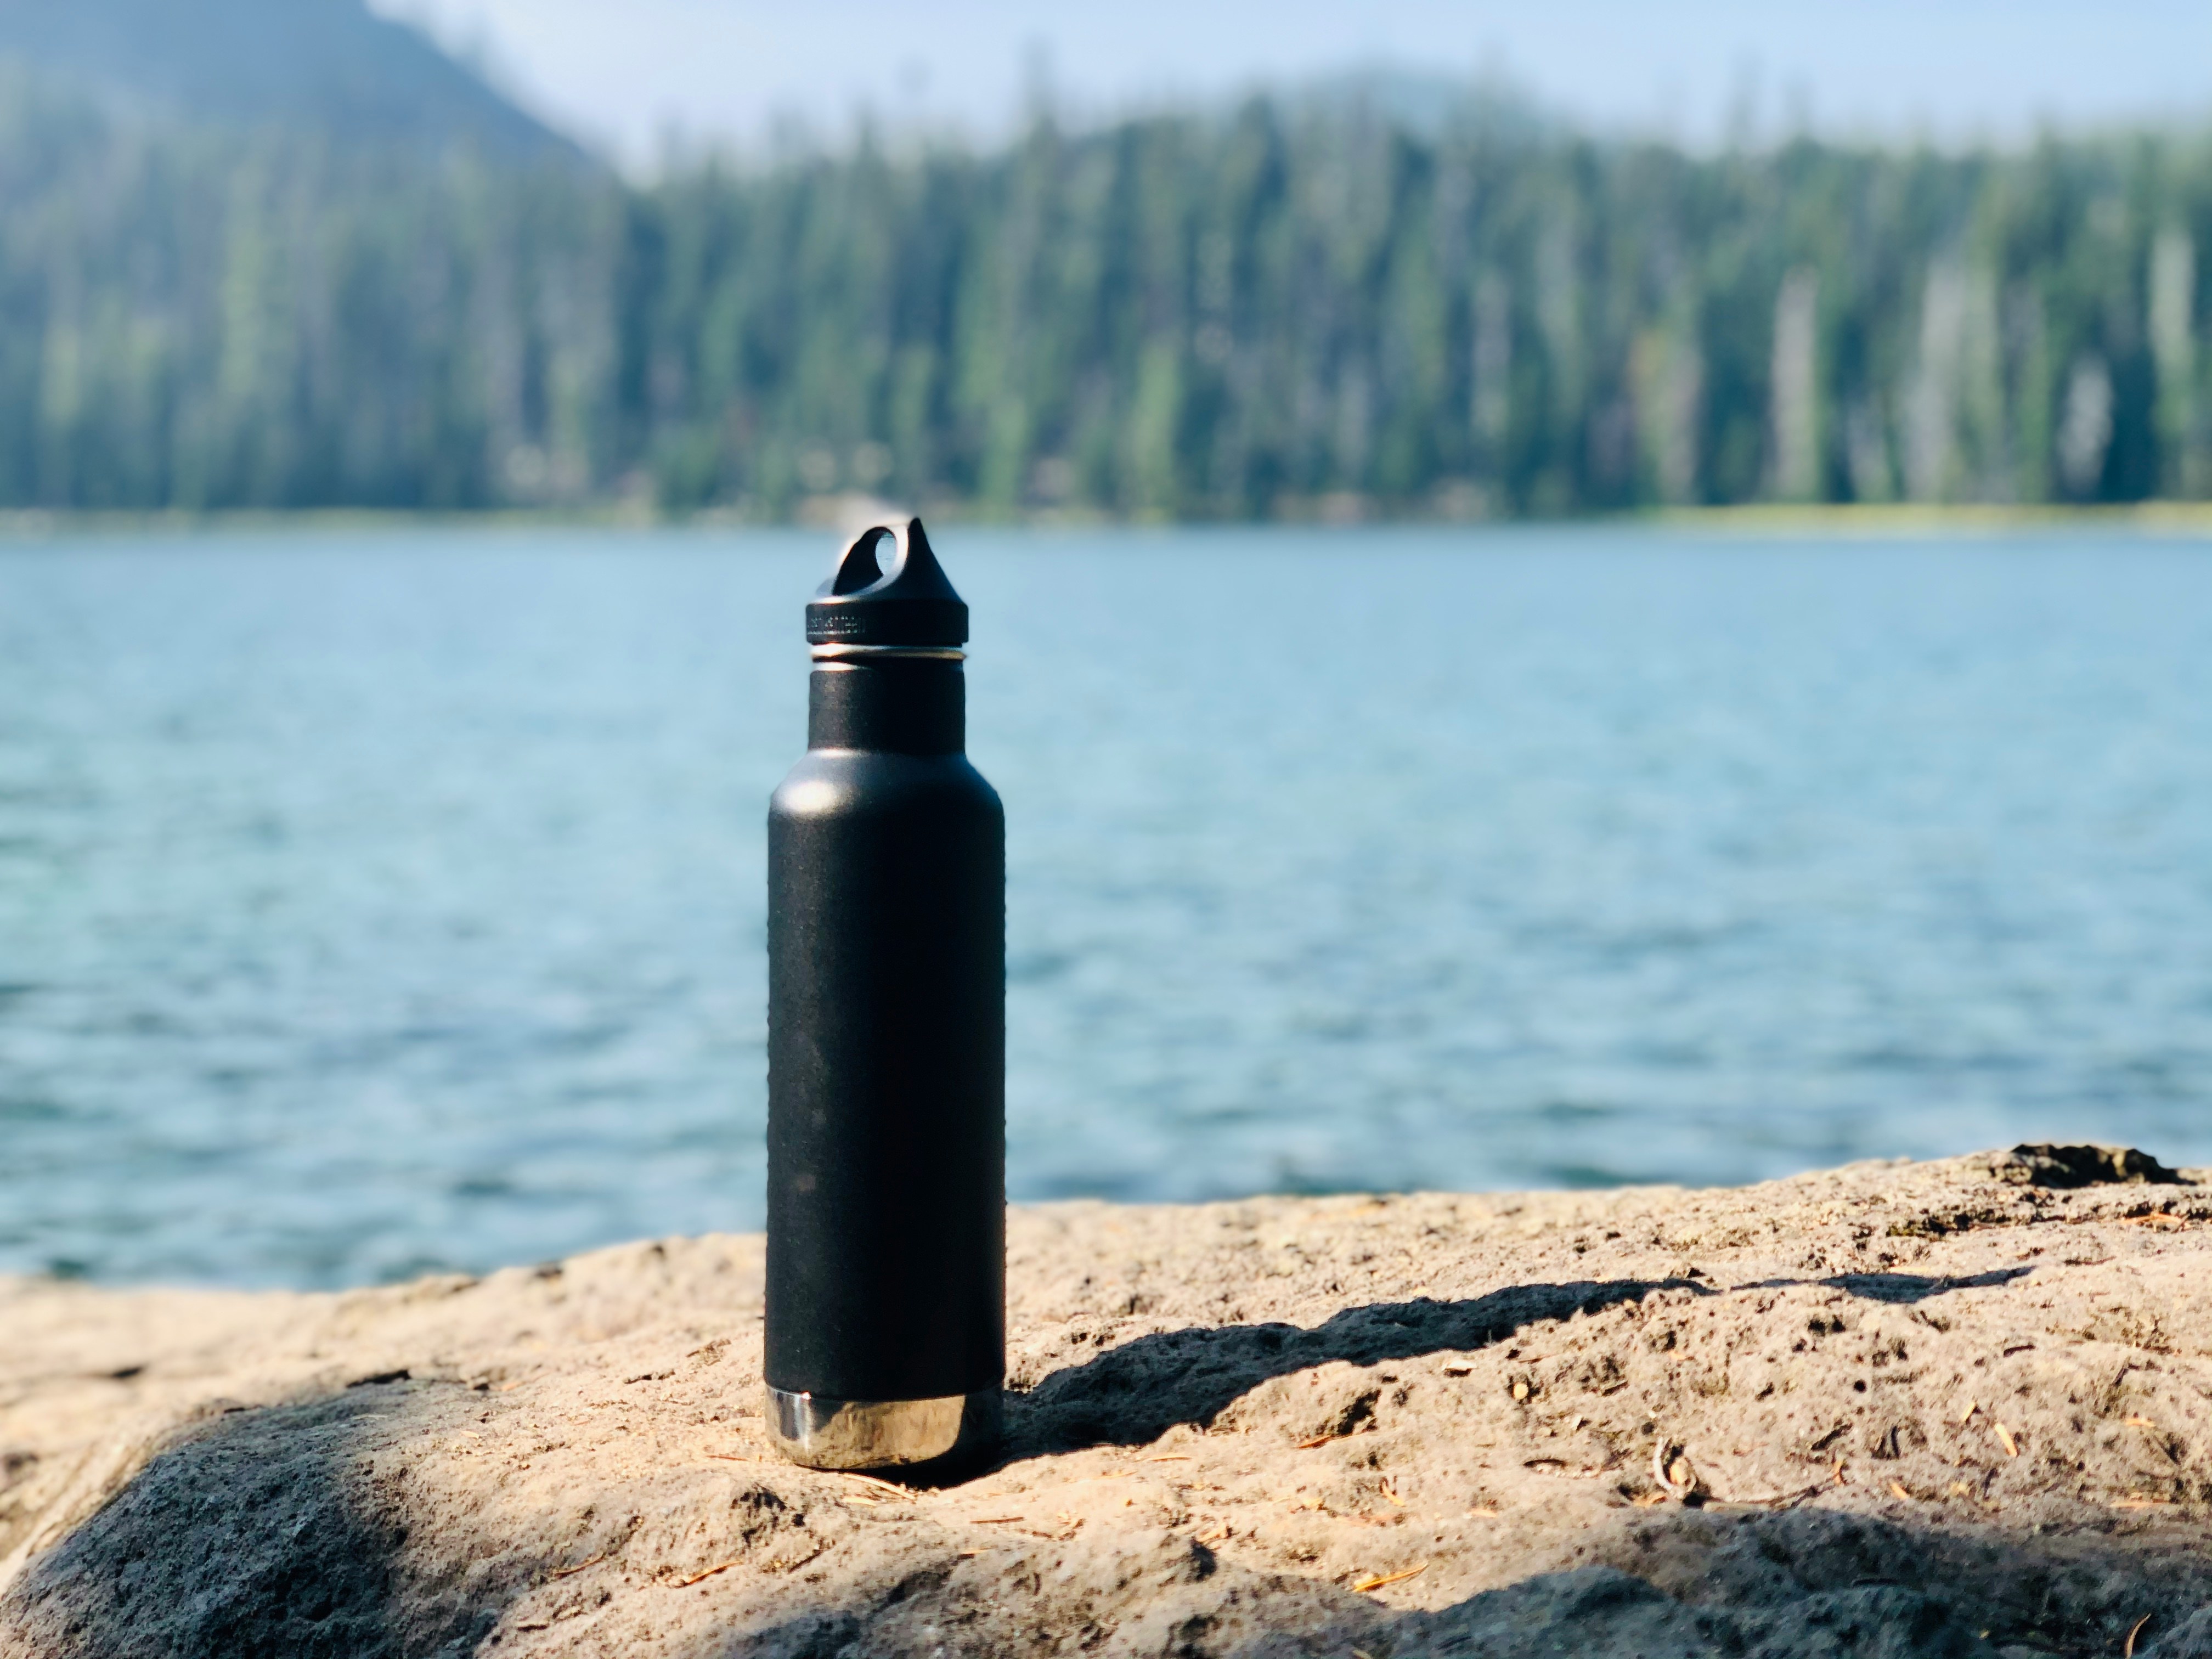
(620, 74)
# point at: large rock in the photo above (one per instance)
(1895, 1409)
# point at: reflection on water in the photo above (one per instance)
(375, 902)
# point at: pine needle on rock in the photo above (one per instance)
(1379, 1581)
(686, 1583)
(882, 1488)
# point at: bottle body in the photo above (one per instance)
(885, 1295)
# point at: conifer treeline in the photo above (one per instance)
(1291, 309)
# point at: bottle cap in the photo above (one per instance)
(910, 603)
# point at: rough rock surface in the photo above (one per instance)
(1955, 1409)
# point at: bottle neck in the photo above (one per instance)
(901, 705)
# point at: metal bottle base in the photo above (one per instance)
(823, 1434)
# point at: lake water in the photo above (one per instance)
(382, 901)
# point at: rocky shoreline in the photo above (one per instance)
(1952, 1408)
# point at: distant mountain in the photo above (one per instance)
(1428, 103)
(325, 64)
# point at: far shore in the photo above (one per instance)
(1896, 521)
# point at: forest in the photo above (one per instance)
(1289, 308)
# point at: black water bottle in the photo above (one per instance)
(886, 1116)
